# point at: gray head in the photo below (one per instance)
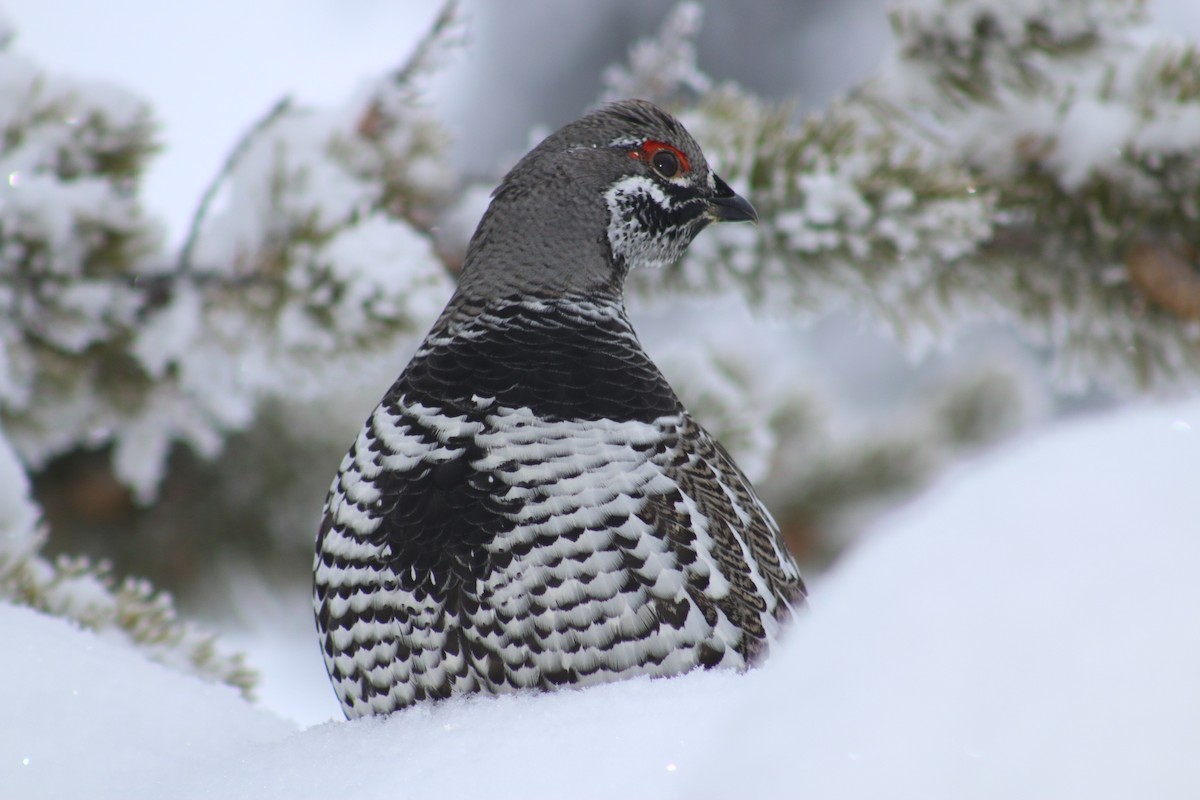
(624, 187)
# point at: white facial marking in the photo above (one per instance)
(628, 234)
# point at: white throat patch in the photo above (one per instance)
(628, 234)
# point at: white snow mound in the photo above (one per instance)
(1028, 629)
(83, 716)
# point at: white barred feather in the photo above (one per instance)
(567, 602)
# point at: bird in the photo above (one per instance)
(530, 506)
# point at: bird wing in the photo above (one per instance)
(735, 560)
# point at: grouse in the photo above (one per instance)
(530, 505)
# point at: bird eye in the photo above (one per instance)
(667, 160)
(666, 163)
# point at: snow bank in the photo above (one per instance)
(1028, 629)
(625, 740)
(83, 716)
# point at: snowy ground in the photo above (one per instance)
(1028, 629)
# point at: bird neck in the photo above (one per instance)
(532, 273)
(569, 357)
(532, 241)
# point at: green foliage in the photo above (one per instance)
(73, 245)
(1094, 151)
(109, 341)
(86, 593)
(1005, 165)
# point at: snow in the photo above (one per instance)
(88, 717)
(1080, 112)
(293, 266)
(662, 66)
(958, 20)
(210, 69)
(59, 208)
(18, 514)
(829, 200)
(1026, 629)
(621, 740)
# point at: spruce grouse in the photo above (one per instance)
(530, 506)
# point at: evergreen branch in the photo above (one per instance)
(276, 112)
(1035, 151)
(443, 33)
(88, 595)
(289, 276)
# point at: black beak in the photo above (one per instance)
(725, 206)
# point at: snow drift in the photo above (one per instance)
(1028, 629)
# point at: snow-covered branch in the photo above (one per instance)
(1035, 163)
(307, 259)
(130, 611)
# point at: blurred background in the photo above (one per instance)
(835, 419)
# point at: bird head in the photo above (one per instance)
(621, 188)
